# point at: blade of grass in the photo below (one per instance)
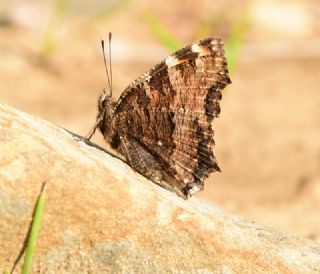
(235, 39)
(34, 232)
(161, 32)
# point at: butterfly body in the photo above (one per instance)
(162, 123)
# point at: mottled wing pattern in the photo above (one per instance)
(167, 115)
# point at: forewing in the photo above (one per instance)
(168, 111)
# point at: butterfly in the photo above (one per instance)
(162, 122)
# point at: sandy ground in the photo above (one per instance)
(267, 136)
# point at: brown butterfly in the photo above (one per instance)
(162, 123)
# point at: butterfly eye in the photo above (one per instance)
(101, 100)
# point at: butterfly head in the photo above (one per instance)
(105, 106)
(105, 113)
(104, 117)
(104, 101)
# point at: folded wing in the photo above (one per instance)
(168, 113)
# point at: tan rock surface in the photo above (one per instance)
(101, 217)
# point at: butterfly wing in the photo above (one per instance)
(167, 113)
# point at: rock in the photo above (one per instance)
(102, 217)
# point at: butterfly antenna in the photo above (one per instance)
(105, 65)
(110, 68)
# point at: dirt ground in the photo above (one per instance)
(267, 136)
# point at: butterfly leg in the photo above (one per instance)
(93, 130)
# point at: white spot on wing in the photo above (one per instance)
(171, 61)
(215, 42)
(196, 48)
(193, 190)
(201, 50)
